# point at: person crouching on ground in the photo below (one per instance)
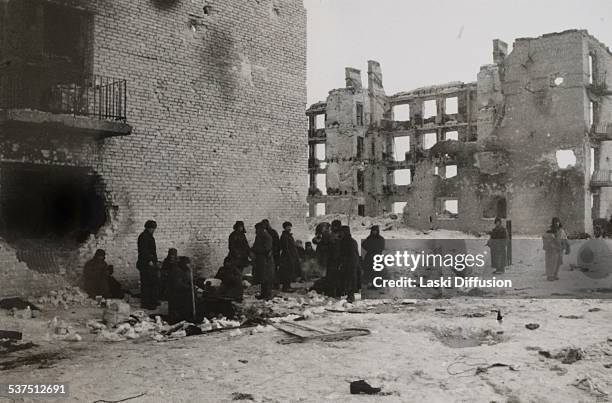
(95, 276)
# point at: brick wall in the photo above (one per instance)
(216, 98)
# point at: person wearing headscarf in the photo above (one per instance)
(264, 260)
(349, 264)
(554, 244)
(289, 266)
(373, 245)
(147, 266)
(498, 242)
(95, 276)
(239, 249)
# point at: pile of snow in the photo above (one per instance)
(65, 297)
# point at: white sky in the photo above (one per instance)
(428, 42)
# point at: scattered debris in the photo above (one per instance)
(481, 370)
(66, 297)
(532, 326)
(567, 355)
(301, 333)
(594, 309)
(362, 387)
(242, 396)
(11, 345)
(571, 316)
(500, 318)
(475, 315)
(587, 384)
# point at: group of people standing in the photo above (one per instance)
(337, 251)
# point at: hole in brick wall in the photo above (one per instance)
(398, 207)
(401, 113)
(401, 145)
(206, 9)
(47, 211)
(558, 81)
(449, 208)
(566, 159)
(361, 210)
(320, 209)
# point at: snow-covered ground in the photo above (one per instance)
(423, 350)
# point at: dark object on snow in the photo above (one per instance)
(9, 346)
(499, 316)
(18, 303)
(545, 353)
(192, 330)
(532, 326)
(361, 386)
(242, 396)
(481, 370)
(594, 309)
(10, 334)
(440, 310)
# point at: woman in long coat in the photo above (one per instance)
(498, 242)
(554, 243)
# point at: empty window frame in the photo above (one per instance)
(359, 148)
(401, 145)
(429, 140)
(319, 209)
(359, 113)
(361, 210)
(398, 207)
(402, 177)
(591, 68)
(593, 162)
(450, 171)
(449, 208)
(319, 121)
(319, 153)
(429, 109)
(360, 181)
(321, 183)
(452, 135)
(494, 206)
(451, 106)
(401, 113)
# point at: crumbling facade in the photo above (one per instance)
(198, 127)
(529, 140)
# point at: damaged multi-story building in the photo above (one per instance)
(190, 113)
(530, 139)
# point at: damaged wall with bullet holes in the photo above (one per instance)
(527, 141)
(215, 131)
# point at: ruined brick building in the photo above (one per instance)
(529, 140)
(189, 112)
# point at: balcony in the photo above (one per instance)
(95, 105)
(601, 178)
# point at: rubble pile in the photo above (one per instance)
(65, 297)
(60, 330)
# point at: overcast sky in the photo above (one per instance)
(424, 42)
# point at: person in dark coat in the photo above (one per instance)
(95, 276)
(349, 264)
(334, 260)
(170, 260)
(230, 275)
(275, 249)
(373, 245)
(239, 249)
(323, 240)
(498, 242)
(289, 261)
(264, 260)
(147, 266)
(180, 303)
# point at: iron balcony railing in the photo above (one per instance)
(98, 96)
